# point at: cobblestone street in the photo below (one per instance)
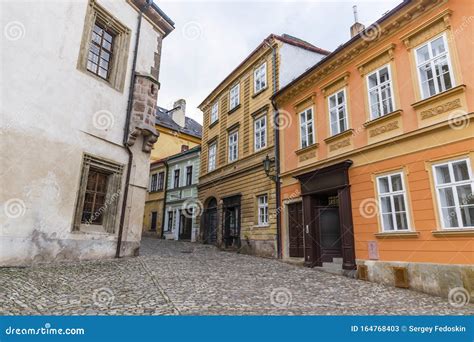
(172, 278)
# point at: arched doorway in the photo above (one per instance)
(210, 222)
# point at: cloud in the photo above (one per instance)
(212, 37)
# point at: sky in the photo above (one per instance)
(212, 37)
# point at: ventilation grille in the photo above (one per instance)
(362, 272)
(401, 277)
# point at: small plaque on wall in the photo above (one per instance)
(373, 250)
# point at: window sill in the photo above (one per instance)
(332, 138)
(453, 232)
(262, 226)
(92, 229)
(455, 90)
(383, 118)
(397, 235)
(213, 123)
(307, 148)
(259, 92)
(234, 109)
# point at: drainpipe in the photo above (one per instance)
(127, 129)
(163, 214)
(276, 133)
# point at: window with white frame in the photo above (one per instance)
(214, 112)
(379, 85)
(434, 67)
(455, 192)
(234, 96)
(392, 202)
(338, 112)
(260, 136)
(260, 78)
(262, 210)
(211, 165)
(307, 128)
(233, 146)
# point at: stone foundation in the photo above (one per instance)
(263, 248)
(435, 279)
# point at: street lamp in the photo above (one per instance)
(266, 166)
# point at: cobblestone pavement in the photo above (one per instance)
(171, 278)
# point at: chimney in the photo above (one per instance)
(179, 114)
(356, 27)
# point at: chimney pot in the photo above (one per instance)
(179, 114)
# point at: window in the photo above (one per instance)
(100, 51)
(262, 210)
(189, 175)
(306, 128)
(161, 181)
(104, 47)
(454, 188)
(233, 146)
(379, 84)
(214, 112)
(338, 112)
(170, 221)
(154, 182)
(260, 78)
(212, 157)
(260, 136)
(98, 195)
(434, 67)
(176, 178)
(234, 96)
(392, 202)
(96, 190)
(184, 148)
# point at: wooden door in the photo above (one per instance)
(295, 230)
(154, 215)
(329, 233)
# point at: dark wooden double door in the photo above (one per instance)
(325, 221)
(185, 227)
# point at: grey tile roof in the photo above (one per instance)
(191, 127)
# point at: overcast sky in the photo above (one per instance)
(212, 38)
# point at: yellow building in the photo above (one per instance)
(239, 198)
(177, 132)
(155, 200)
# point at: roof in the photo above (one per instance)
(191, 127)
(184, 153)
(342, 46)
(284, 38)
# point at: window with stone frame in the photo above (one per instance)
(214, 112)
(176, 178)
(153, 182)
(161, 181)
(233, 146)
(98, 195)
(212, 157)
(189, 175)
(262, 210)
(104, 47)
(307, 128)
(380, 92)
(260, 78)
(338, 112)
(393, 202)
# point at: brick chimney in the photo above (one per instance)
(356, 27)
(179, 114)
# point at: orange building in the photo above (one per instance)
(377, 152)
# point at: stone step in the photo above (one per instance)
(332, 265)
(337, 261)
(330, 270)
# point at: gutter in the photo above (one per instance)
(276, 133)
(127, 130)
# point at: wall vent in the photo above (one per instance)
(401, 277)
(362, 272)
